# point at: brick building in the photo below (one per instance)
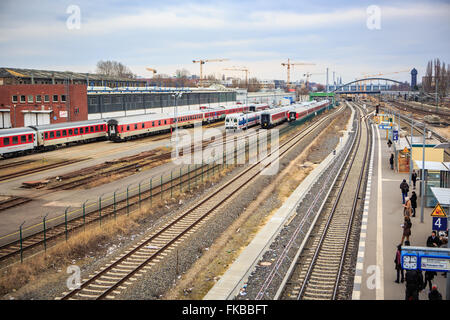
(31, 97)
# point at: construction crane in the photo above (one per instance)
(307, 75)
(289, 64)
(202, 62)
(152, 70)
(240, 69)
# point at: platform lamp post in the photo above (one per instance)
(65, 221)
(115, 204)
(410, 153)
(20, 235)
(84, 212)
(422, 186)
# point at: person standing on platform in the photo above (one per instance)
(407, 207)
(406, 229)
(414, 178)
(414, 284)
(398, 264)
(405, 189)
(389, 143)
(429, 275)
(434, 294)
(413, 200)
(391, 161)
(433, 240)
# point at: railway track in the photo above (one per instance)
(320, 266)
(38, 169)
(113, 278)
(12, 202)
(424, 111)
(16, 163)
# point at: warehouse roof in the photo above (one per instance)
(48, 74)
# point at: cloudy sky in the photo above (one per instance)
(168, 35)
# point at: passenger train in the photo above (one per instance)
(274, 117)
(242, 120)
(19, 141)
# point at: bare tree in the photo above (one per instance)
(114, 69)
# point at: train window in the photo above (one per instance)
(153, 123)
(135, 126)
(70, 132)
(81, 130)
(5, 141)
(128, 128)
(15, 140)
(75, 131)
(96, 129)
(58, 134)
(23, 139)
(159, 122)
(46, 135)
(165, 121)
(30, 137)
(64, 132)
(92, 129)
(143, 125)
(52, 134)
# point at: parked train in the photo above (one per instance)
(19, 141)
(242, 120)
(274, 117)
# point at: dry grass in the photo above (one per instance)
(92, 239)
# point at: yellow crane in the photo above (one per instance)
(152, 70)
(289, 64)
(307, 75)
(240, 69)
(202, 62)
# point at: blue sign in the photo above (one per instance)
(439, 223)
(384, 126)
(395, 135)
(426, 259)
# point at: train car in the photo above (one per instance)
(273, 117)
(17, 141)
(242, 120)
(303, 109)
(51, 135)
(258, 107)
(126, 128)
(220, 113)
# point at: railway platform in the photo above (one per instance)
(381, 231)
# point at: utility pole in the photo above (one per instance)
(326, 88)
(422, 187)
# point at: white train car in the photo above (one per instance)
(242, 120)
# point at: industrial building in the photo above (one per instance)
(35, 97)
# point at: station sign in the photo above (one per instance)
(384, 126)
(438, 212)
(426, 259)
(439, 224)
(395, 135)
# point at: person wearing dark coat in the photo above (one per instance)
(414, 178)
(413, 203)
(434, 294)
(389, 143)
(405, 189)
(406, 229)
(391, 161)
(429, 275)
(433, 240)
(414, 284)
(398, 264)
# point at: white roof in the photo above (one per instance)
(434, 165)
(442, 195)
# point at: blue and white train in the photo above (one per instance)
(242, 120)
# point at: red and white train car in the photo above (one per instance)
(17, 141)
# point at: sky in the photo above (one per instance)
(351, 38)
